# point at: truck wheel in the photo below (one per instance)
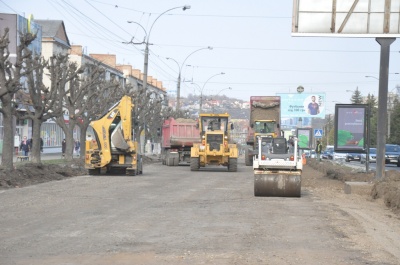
(247, 158)
(194, 164)
(170, 161)
(232, 164)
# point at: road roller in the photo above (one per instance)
(277, 168)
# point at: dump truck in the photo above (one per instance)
(112, 148)
(216, 147)
(277, 168)
(265, 114)
(178, 137)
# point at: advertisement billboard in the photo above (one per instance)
(350, 124)
(305, 138)
(305, 105)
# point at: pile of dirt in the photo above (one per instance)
(33, 173)
(387, 188)
(26, 174)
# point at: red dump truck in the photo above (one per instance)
(178, 137)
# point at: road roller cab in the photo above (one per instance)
(277, 168)
(215, 147)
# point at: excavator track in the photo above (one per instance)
(277, 183)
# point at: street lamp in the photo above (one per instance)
(146, 41)
(218, 94)
(178, 88)
(370, 76)
(201, 91)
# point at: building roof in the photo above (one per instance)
(55, 30)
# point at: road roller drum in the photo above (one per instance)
(274, 184)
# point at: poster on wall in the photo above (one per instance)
(304, 135)
(305, 105)
(350, 124)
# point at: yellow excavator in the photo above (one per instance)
(277, 168)
(215, 147)
(113, 149)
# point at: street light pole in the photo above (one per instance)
(146, 50)
(178, 87)
(201, 91)
(218, 94)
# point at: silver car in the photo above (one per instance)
(372, 156)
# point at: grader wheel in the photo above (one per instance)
(232, 164)
(194, 163)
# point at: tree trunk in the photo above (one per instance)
(35, 152)
(8, 139)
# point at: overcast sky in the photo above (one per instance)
(251, 40)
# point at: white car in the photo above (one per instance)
(372, 156)
(339, 156)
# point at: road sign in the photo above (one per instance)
(318, 133)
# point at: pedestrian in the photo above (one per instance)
(24, 146)
(318, 150)
(63, 146)
(41, 144)
(77, 147)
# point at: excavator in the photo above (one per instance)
(113, 149)
(277, 168)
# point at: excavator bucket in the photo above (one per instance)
(279, 183)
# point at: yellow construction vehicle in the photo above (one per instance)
(277, 168)
(215, 147)
(113, 149)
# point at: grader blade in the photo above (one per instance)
(277, 183)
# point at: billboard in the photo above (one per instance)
(305, 105)
(346, 18)
(351, 129)
(305, 138)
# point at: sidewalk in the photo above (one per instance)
(43, 156)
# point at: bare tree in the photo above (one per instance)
(43, 103)
(102, 94)
(81, 91)
(10, 76)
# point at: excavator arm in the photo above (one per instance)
(114, 130)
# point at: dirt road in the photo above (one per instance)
(171, 215)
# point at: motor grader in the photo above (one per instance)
(277, 168)
(215, 147)
(113, 148)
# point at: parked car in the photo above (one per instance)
(352, 157)
(339, 156)
(310, 153)
(327, 154)
(392, 154)
(372, 156)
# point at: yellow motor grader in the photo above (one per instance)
(215, 147)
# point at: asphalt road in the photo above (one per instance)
(169, 215)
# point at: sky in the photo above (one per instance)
(252, 45)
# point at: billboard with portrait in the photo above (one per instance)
(305, 138)
(350, 124)
(305, 105)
